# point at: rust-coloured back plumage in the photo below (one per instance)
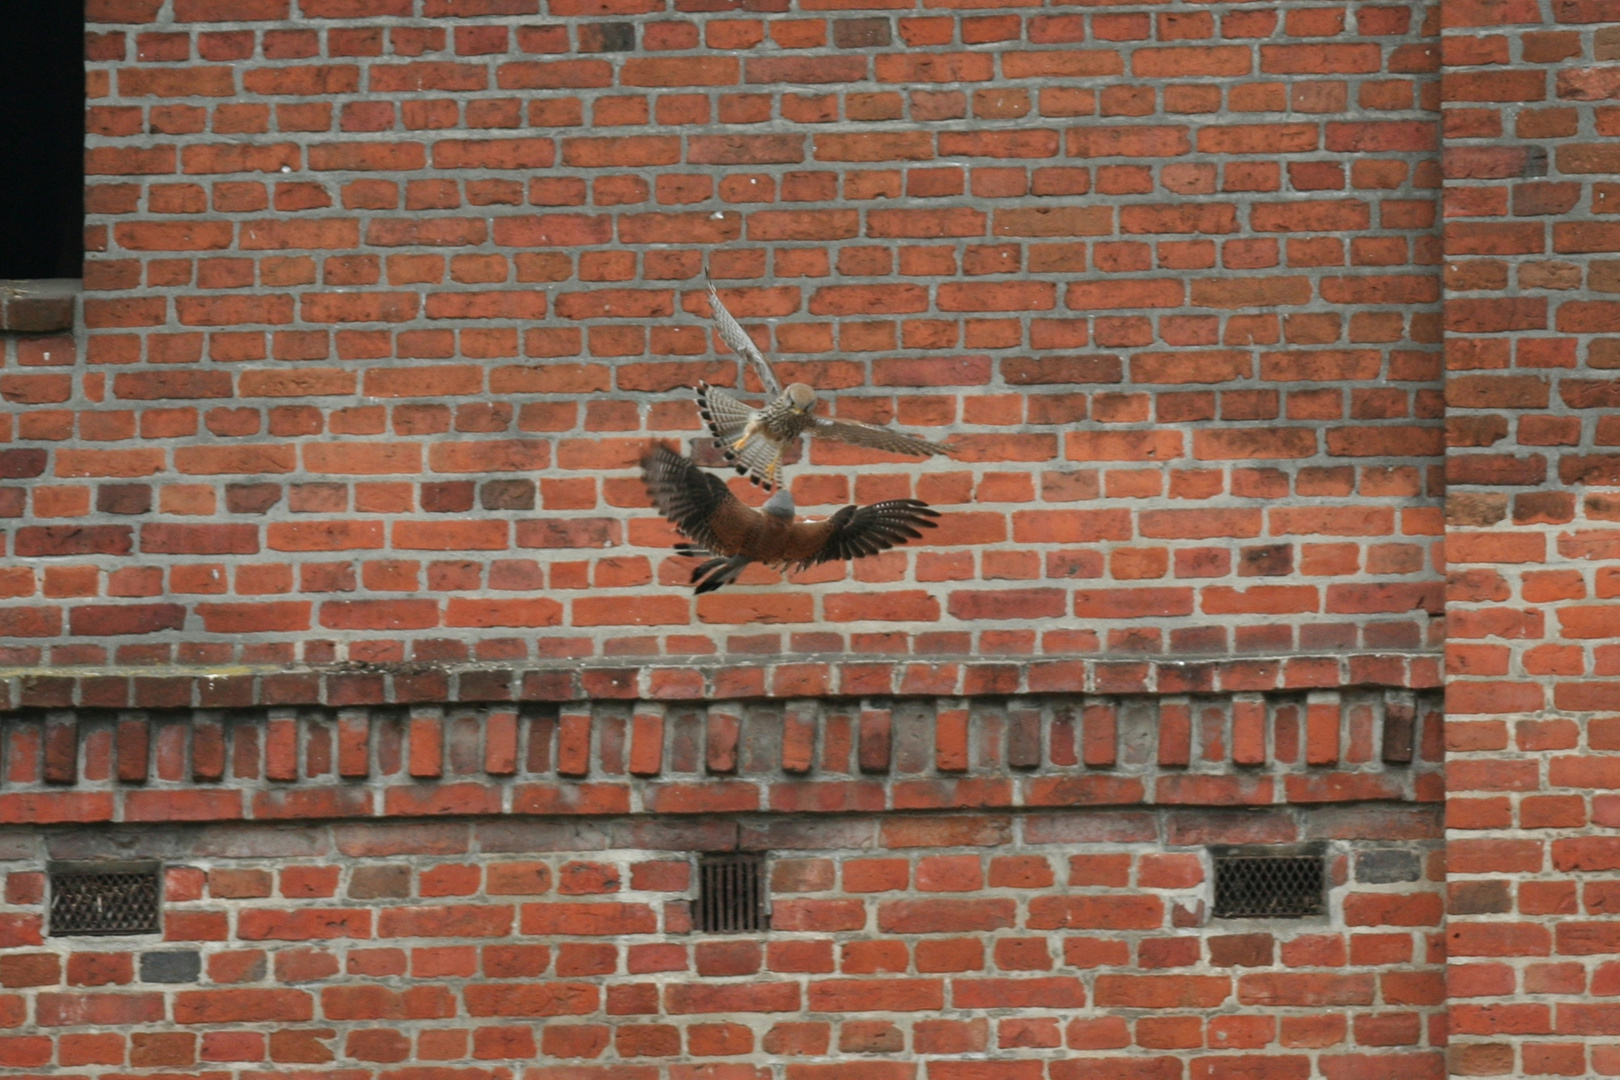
(701, 506)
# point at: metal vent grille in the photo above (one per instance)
(1252, 884)
(731, 894)
(112, 900)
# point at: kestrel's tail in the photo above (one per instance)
(717, 571)
(725, 415)
(756, 459)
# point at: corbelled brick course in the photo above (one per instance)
(850, 677)
(801, 756)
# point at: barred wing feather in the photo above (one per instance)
(866, 530)
(877, 438)
(686, 495)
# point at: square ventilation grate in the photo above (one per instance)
(121, 899)
(1254, 883)
(731, 894)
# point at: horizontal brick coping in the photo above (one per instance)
(245, 687)
(806, 756)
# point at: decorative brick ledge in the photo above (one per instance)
(240, 687)
(801, 756)
(39, 306)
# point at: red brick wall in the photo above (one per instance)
(1171, 276)
(1532, 696)
(1019, 888)
(383, 299)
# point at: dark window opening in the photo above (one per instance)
(42, 128)
(1257, 883)
(731, 894)
(109, 898)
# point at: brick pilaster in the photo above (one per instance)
(1532, 540)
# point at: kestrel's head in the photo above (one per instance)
(801, 397)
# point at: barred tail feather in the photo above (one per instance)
(724, 414)
(756, 460)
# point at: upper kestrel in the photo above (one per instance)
(753, 440)
(734, 534)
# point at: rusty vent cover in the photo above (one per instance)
(1259, 884)
(121, 899)
(731, 894)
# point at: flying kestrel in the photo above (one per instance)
(753, 440)
(733, 534)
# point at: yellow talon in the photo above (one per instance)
(738, 445)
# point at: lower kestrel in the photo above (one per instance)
(732, 534)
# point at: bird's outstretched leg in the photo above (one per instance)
(748, 432)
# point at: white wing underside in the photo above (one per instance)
(732, 333)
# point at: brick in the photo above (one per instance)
(532, 999)
(944, 916)
(761, 997)
(58, 1009)
(241, 1006)
(870, 995)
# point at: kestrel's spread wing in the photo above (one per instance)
(877, 438)
(855, 531)
(720, 525)
(692, 500)
(754, 440)
(732, 333)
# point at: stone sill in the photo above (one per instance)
(841, 677)
(39, 305)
